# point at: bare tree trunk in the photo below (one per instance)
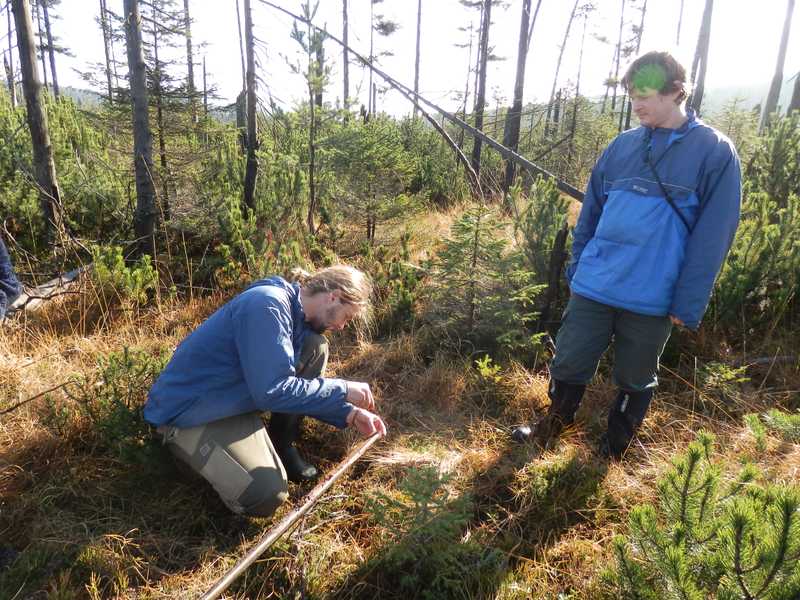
(558, 67)
(480, 99)
(320, 72)
(794, 103)
(251, 170)
(638, 47)
(514, 116)
(466, 92)
(187, 26)
(313, 95)
(205, 90)
(576, 100)
(619, 56)
(241, 46)
(41, 41)
(45, 169)
(145, 216)
(700, 62)
(106, 43)
(10, 80)
(12, 88)
(371, 89)
(345, 58)
(680, 21)
(162, 144)
(50, 49)
(771, 103)
(416, 58)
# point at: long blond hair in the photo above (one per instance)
(354, 286)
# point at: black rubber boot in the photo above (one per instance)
(284, 431)
(624, 420)
(565, 398)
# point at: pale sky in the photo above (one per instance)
(744, 45)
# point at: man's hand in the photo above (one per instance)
(366, 422)
(359, 394)
(676, 321)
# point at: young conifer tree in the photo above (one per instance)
(712, 538)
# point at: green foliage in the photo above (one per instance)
(425, 551)
(488, 370)
(759, 281)
(722, 380)
(758, 430)
(483, 293)
(396, 282)
(786, 425)
(738, 539)
(115, 279)
(373, 172)
(775, 168)
(112, 397)
(541, 216)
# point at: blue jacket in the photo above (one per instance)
(10, 287)
(242, 359)
(630, 249)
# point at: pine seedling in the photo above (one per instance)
(787, 425)
(701, 543)
(758, 430)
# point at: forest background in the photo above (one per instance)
(172, 196)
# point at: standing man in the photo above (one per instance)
(10, 288)
(262, 352)
(658, 218)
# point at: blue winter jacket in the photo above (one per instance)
(10, 287)
(242, 359)
(630, 248)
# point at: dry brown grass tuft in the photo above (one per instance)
(86, 523)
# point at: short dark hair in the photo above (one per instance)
(659, 71)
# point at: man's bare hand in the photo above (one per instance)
(676, 321)
(359, 394)
(366, 422)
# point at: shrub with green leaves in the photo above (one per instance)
(712, 536)
(425, 553)
(115, 279)
(112, 398)
(484, 295)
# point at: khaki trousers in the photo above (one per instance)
(235, 454)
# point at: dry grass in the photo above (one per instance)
(78, 521)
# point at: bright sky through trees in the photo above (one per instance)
(744, 45)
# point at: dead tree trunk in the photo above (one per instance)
(45, 169)
(50, 49)
(680, 22)
(162, 144)
(251, 170)
(416, 57)
(41, 42)
(771, 103)
(104, 25)
(700, 62)
(794, 103)
(190, 88)
(345, 58)
(144, 218)
(12, 88)
(514, 116)
(558, 67)
(638, 47)
(480, 98)
(618, 56)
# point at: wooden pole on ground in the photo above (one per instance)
(278, 530)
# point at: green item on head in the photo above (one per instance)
(649, 77)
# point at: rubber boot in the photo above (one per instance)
(565, 398)
(284, 431)
(624, 420)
